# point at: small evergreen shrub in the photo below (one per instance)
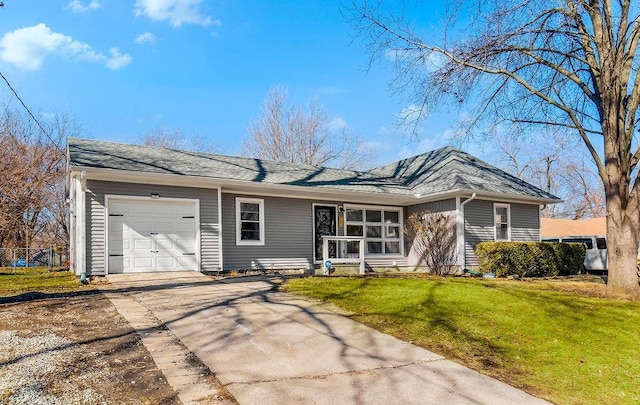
(530, 259)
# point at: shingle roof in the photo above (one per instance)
(145, 159)
(449, 168)
(438, 171)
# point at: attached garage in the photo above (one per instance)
(152, 235)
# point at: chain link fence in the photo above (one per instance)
(34, 257)
(6, 257)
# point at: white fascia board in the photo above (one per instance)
(485, 195)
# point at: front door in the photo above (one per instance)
(324, 224)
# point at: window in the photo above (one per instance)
(586, 241)
(601, 243)
(381, 229)
(502, 219)
(249, 221)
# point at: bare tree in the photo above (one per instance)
(567, 64)
(287, 133)
(433, 238)
(177, 139)
(32, 208)
(555, 164)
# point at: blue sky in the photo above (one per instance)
(125, 67)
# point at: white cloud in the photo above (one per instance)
(28, 47)
(432, 61)
(410, 113)
(77, 7)
(177, 12)
(117, 60)
(337, 124)
(145, 38)
(427, 144)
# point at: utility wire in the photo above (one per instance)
(33, 117)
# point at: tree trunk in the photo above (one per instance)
(622, 248)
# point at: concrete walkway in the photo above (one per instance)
(269, 347)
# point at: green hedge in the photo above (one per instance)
(530, 259)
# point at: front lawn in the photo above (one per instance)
(554, 340)
(36, 279)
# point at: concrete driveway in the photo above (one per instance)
(269, 347)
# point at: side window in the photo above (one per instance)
(502, 220)
(249, 221)
(586, 241)
(601, 243)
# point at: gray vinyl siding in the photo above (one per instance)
(435, 206)
(95, 200)
(479, 225)
(525, 223)
(412, 257)
(288, 232)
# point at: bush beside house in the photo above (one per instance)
(530, 259)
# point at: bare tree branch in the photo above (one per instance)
(287, 133)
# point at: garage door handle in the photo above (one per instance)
(188, 254)
(115, 255)
(154, 251)
(153, 233)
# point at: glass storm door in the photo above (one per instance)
(324, 222)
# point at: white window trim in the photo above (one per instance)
(260, 202)
(495, 233)
(382, 239)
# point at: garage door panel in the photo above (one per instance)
(143, 262)
(187, 261)
(185, 209)
(165, 244)
(117, 207)
(152, 236)
(164, 209)
(164, 226)
(142, 244)
(166, 262)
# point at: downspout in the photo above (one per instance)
(460, 230)
(81, 224)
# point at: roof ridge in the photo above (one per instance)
(414, 157)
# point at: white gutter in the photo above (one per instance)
(460, 243)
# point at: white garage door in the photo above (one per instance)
(149, 236)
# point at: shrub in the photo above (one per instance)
(433, 237)
(530, 259)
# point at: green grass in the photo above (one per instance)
(563, 346)
(36, 279)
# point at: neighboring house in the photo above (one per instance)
(559, 227)
(137, 208)
(590, 231)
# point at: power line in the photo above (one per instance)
(33, 117)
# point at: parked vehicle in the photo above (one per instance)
(595, 260)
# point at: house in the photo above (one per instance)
(138, 208)
(559, 227)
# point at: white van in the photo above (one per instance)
(595, 260)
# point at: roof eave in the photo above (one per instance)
(240, 186)
(485, 195)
